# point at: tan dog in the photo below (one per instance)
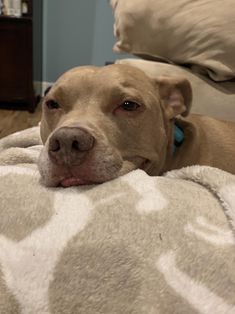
(100, 123)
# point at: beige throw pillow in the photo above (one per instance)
(196, 33)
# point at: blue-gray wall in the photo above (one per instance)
(103, 35)
(68, 31)
(76, 32)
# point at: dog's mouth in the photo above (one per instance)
(72, 179)
(76, 181)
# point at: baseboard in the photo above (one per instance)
(37, 88)
(40, 87)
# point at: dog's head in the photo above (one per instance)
(100, 123)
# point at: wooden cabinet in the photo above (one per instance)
(16, 62)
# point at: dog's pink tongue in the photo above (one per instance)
(72, 182)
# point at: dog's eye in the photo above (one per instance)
(129, 106)
(52, 104)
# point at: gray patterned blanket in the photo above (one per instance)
(135, 245)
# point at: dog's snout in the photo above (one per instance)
(70, 145)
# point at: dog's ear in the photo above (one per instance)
(176, 95)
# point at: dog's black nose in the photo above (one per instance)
(70, 145)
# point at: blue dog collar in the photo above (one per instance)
(178, 137)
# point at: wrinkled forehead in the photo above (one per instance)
(103, 79)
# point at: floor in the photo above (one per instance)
(14, 120)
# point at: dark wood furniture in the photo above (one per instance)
(16, 62)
